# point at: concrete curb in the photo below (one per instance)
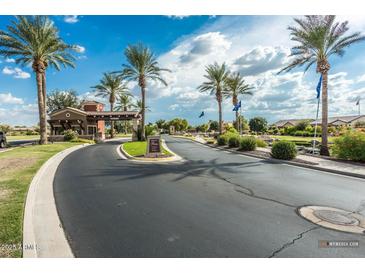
(124, 155)
(315, 167)
(43, 235)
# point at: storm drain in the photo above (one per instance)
(334, 218)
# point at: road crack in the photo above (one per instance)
(286, 245)
(249, 192)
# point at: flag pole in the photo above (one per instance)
(315, 126)
(359, 106)
(240, 121)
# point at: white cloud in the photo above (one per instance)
(71, 19)
(8, 98)
(80, 49)
(173, 107)
(25, 114)
(16, 72)
(10, 60)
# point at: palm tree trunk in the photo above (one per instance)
(234, 101)
(41, 109)
(324, 145)
(143, 135)
(112, 122)
(219, 99)
(237, 122)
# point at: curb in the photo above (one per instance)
(334, 171)
(43, 235)
(124, 155)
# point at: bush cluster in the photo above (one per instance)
(261, 143)
(70, 135)
(350, 146)
(284, 150)
(222, 140)
(233, 140)
(248, 143)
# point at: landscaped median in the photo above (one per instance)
(137, 151)
(17, 168)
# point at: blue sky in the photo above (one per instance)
(258, 46)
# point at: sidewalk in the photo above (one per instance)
(356, 168)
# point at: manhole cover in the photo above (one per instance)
(336, 217)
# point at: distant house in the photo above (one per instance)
(332, 121)
(289, 122)
(342, 120)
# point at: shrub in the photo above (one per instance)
(222, 140)
(284, 150)
(70, 135)
(231, 130)
(233, 140)
(350, 146)
(360, 124)
(258, 124)
(261, 143)
(248, 143)
(302, 125)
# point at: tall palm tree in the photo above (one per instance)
(142, 66)
(318, 38)
(125, 102)
(217, 76)
(34, 40)
(235, 86)
(110, 86)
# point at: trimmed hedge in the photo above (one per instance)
(350, 146)
(248, 143)
(284, 150)
(233, 140)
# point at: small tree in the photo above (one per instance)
(258, 124)
(302, 125)
(5, 128)
(213, 125)
(59, 99)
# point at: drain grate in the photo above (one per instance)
(334, 218)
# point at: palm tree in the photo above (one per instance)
(217, 76)
(142, 66)
(235, 86)
(110, 86)
(125, 102)
(139, 106)
(319, 37)
(34, 40)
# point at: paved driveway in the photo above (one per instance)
(213, 204)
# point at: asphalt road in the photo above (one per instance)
(213, 204)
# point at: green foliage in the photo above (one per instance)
(302, 125)
(82, 140)
(261, 143)
(222, 140)
(160, 123)
(242, 122)
(202, 128)
(179, 124)
(284, 150)
(231, 130)
(5, 128)
(233, 140)
(150, 129)
(70, 135)
(258, 124)
(213, 125)
(350, 146)
(61, 99)
(248, 143)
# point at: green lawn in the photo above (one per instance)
(299, 138)
(22, 137)
(139, 148)
(123, 135)
(17, 168)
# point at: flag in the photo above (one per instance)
(319, 87)
(201, 114)
(358, 102)
(237, 107)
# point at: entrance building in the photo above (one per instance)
(88, 121)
